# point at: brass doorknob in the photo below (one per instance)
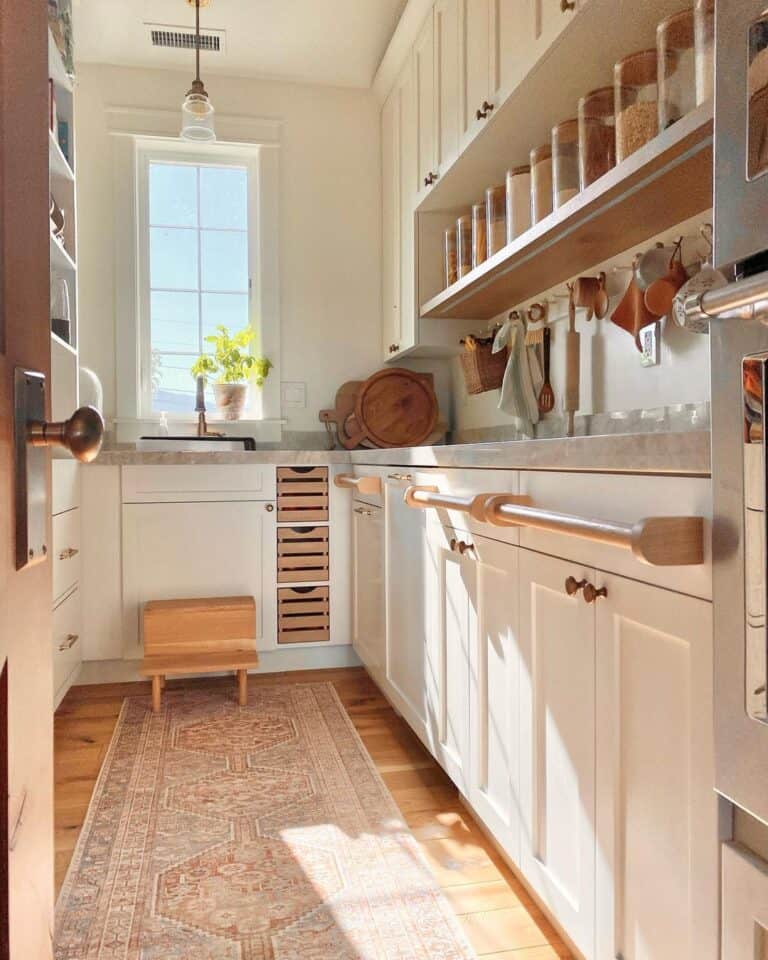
(82, 434)
(591, 593)
(572, 586)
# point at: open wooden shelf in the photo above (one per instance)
(665, 182)
(58, 163)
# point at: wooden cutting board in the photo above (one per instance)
(394, 408)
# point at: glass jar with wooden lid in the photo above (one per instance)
(704, 38)
(676, 51)
(449, 247)
(636, 93)
(518, 201)
(565, 162)
(479, 235)
(464, 244)
(541, 182)
(496, 217)
(597, 135)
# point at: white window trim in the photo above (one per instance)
(131, 157)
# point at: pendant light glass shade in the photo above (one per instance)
(197, 116)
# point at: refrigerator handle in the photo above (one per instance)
(745, 299)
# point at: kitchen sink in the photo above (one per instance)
(196, 444)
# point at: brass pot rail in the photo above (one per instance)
(658, 541)
(348, 481)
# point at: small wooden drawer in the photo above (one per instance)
(66, 639)
(302, 494)
(302, 554)
(303, 615)
(66, 552)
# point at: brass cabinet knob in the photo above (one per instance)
(67, 644)
(68, 553)
(454, 544)
(270, 508)
(82, 434)
(567, 5)
(465, 547)
(591, 593)
(572, 586)
(484, 111)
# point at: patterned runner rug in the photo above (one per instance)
(217, 832)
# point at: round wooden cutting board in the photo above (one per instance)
(395, 408)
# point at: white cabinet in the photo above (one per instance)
(513, 31)
(451, 632)
(474, 64)
(551, 17)
(657, 867)
(408, 180)
(745, 905)
(426, 105)
(390, 262)
(557, 744)
(406, 552)
(368, 625)
(446, 57)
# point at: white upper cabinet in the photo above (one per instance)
(474, 65)
(513, 30)
(426, 107)
(446, 39)
(550, 18)
(657, 823)
(557, 744)
(390, 211)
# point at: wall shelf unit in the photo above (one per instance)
(58, 164)
(665, 182)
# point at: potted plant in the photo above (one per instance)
(233, 366)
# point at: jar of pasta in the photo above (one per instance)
(597, 135)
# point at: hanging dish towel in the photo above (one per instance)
(518, 395)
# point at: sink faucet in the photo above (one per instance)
(202, 425)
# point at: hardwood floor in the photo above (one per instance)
(498, 915)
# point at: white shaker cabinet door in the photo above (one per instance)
(451, 629)
(513, 36)
(408, 180)
(446, 40)
(368, 636)
(426, 120)
(657, 819)
(745, 905)
(551, 17)
(494, 790)
(474, 65)
(557, 744)
(390, 213)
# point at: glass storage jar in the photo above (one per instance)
(565, 162)
(704, 34)
(464, 244)
(541, 182)
(449, 246)
(676, 55)
(518, 201)
(496, 217)
(597, 135)
(636, 95)
(479, 235)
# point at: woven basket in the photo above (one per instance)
(482, 369)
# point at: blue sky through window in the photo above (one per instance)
(198, 269)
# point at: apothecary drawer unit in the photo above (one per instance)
(302, 554)
(302, 494)
(303, 614)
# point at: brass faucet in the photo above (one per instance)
(202, 424)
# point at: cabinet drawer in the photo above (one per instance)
(303, 615)
(66, 552)
(65, 485)
(302, 554)
(302, 494)
(66, 642)
(185, 483)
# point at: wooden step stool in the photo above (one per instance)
(199, 636)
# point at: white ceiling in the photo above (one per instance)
(337, 42)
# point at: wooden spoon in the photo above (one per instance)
(547, 395)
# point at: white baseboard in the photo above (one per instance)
(270, 661)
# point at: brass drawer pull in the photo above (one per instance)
(68, 553)
(67, 644)
(363, 512)
(403, 477)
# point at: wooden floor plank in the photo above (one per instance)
(498, 915)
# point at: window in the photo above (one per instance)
(198, 269)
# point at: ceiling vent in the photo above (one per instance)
(182, 38)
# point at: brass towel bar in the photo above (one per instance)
(659, 541)
(362, 484)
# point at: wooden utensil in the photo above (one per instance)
(547, 395)
(572, 367)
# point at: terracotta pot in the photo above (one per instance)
(230, 399)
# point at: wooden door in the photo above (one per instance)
(368, 637)
(494, 789)
(657, 822)
(557, 743)
(474, 64)
(451, 629)
(406, 586)
(426, 120)
(446, 38)
(26, 920)
(513, 36)
(390, 262)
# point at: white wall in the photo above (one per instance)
(330, 233)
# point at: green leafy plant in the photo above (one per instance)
(232, 361)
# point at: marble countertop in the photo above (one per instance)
(684, 454)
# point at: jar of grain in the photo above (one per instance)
(449, 247)
(636, 102)
(704, 37)
(597, 135)
(464, 244)
(479, 235)
(518, 201)
(676, 66)
(541, 182)
(565, 162)
(496, 217)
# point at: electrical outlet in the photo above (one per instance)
(293, 394)
(650, 341)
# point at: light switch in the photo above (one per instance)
(294, 394)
